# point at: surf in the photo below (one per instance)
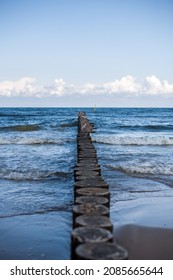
(134, 140)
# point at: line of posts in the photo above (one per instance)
(92, 234)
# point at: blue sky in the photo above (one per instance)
(86, 52)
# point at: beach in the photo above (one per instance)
(38, 154)
(145, 228)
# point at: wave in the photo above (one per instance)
(145, 169)
(62, 174)
(17, 115)
(21, 128)
(70, 124)
(64, 207)
(134, 140)
(33, 175)
(158, 127)
(30, 141)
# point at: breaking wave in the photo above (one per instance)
(30, 141)
(33, 175)
(134, 140)
(149, 169)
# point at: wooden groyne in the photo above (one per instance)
(92, 235)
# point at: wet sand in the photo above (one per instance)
(36, 237)
(145, 227)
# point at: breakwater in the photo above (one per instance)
(92, 234)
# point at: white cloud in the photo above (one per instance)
(22, 87)
(126, 86)
(155, 86)
(87, 88)
(59, 87)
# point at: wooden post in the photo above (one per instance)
(101, 251)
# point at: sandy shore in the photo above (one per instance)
(145, 227)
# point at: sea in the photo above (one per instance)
(37, 157)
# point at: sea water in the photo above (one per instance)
(37, 157)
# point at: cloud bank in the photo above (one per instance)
(127, 86)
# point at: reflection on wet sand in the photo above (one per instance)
(144, 227)
(146, 242)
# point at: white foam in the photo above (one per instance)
(155, 168)
(14, 175)
(28, 141)
(30, 175)
(134, 140)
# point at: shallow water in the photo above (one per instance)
(36, 236)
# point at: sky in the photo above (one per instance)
(80, 53)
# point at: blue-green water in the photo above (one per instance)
(37, 156)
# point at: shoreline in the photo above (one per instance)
(145, 227)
